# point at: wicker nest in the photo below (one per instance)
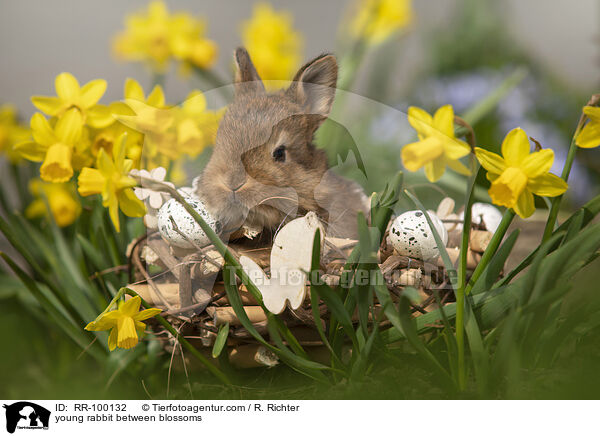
(189, 287)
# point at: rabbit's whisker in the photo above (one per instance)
(275, 198)
(281, 223)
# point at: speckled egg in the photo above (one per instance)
(411, 236)
(185, 223)
(488, 213)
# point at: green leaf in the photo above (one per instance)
(221, 340)
(590, 210)
(574, 227)
(98, 261)
(56, 311)
(314, 296)
(382, 204)
(494, 268)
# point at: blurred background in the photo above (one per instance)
(452, 52)
(40, 39)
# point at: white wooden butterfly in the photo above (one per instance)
(291, 256)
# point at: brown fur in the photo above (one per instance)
(268, 191)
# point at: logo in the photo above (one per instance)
(26, 415)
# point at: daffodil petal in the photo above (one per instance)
(147, 313)
(111, 201)
(455, 148)
(41, 130)
(515, 147)
(593, 112)
(443, 120)
(49, 105)
(538, 163)
(195, 103)
(525, 205)
(133, 90)
(36, 209)
(589, 137)
(421, 121)
(67, 86)
(92, 92)
(104, 163)
(112, 339)
(100, 116)
(131, 306)
(157, 97)
(435, 169)
(547, 185)
(104, 322)
(457, 166)
(492, 162)
(31, 151)
(491, 176)
(130, 204)
(69, 126)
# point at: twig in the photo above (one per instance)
(201, 250)
(140, 267)
(98, 274)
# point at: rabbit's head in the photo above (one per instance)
(264, 166)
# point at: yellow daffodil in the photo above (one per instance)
(53, 145)
(155, 36)
(71, 95)
(155, 120)
(111, 179)
(61, 200)
(196, 126)
(125, 323)
(519, 174)
(589, 137)
(377, 20)
(273, 44)
(105, 138)
(437, 145)
(11, 133)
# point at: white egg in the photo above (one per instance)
(411, 236)
(490, 215)
(185, 223)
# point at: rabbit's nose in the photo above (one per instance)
(235, 183)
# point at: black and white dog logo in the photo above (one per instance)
(26, 415)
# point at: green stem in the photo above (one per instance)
(460, 337)
(491, 249)
(485, 106)
(182, 341)
(553, 214)
(462, 277)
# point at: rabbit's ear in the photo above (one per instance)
(247, 79)
(314, 85)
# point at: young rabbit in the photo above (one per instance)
(265, 169)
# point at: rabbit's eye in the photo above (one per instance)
(279, 154)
